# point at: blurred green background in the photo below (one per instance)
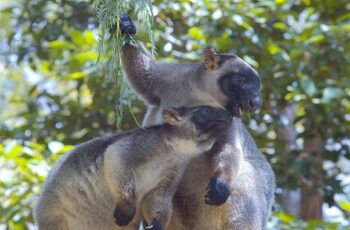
(53, 95)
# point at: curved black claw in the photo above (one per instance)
(122, 217)
(155, 225)
(218, 192)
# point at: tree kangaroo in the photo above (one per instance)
(108, 181)
(241, 185)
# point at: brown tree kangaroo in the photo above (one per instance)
(224, 188)
(110, 182)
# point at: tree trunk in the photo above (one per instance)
(306, 202)
(286, 132)
(311, 194)
(311, 204)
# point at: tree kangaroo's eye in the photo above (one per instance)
(236, 79)
(230, 82)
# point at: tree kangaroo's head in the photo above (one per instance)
(201, 123)
(230, 81)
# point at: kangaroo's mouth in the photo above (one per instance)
(238, 109)
(218, 126)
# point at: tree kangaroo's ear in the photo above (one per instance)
(171, 116)
(211, 58)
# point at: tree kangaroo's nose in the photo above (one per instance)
(255, 103)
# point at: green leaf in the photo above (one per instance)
(196, 33)
(19, 226)
(38, 147)
(308, 85)
(345, 205)
(59, 44)
(82, 57)
(77, 37)
(76, 75)
(330, 93)
(143, 37)
(44, 67)
(280, 2)
(273, 48)
(251, 61)
(316, 38)
(14, 151)
(89, 37)
(285, 217)
(345, 27)
(65, 148)
(280, 26)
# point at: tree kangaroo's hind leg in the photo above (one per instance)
(125, 209)
(157, 209)
(121, 185)
(157, 205)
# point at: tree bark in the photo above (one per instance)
(310, 204)
(311, 192)
(287, 133)
(306, 202)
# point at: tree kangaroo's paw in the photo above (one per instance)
(218, 192)
(123, 215)
(155, 225)
(126, 24)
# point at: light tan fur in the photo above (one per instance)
(135, 172)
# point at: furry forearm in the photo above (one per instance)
(138, 68)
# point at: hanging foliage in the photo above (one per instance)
(111, 40)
